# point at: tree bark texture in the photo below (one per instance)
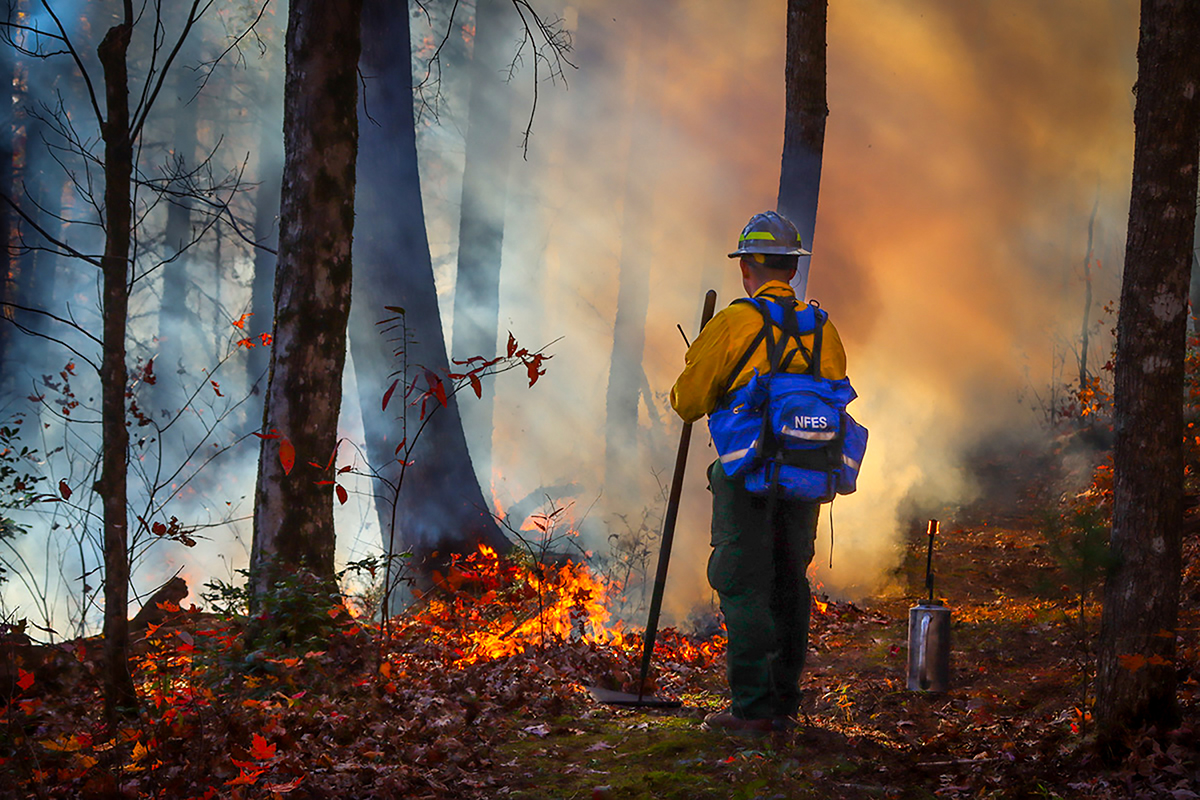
(293, 517)
(119, 692)
(805, 111)
(489, 148)
(1136, 671)
(441, 507)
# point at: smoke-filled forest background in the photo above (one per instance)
(968, 150)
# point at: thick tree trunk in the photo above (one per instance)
(293, 516)
(804, 123)
(119, 692)
(1136, 671)
(489, 148)
(441, 507)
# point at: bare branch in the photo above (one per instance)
(147, 103)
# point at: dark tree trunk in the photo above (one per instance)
(1084, 337)
(266, 232)
(119, 692)
(804, 123)
(262, 306)
(1136, 674)
(626, 374)
(293, 517)
(178, 325)
(441, 507)
(9, 278)
(489, 147)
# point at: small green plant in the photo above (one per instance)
(299, 611)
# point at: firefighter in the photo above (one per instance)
(760, 554)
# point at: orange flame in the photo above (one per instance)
(573, 606)
(493, 607)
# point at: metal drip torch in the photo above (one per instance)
(929, 635)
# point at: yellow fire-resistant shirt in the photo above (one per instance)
(716, 351)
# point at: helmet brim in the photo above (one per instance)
(799, 251)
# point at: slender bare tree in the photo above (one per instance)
(805, 111)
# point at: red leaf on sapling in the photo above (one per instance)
(64, 490)
(387, 396)
(24, 679)
(341, 493)
(287, 455)
(436, 387)
(240, 322)
(476, 385)
(512, 344)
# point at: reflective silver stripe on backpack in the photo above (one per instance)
(812, 436)
(854, 464)
(738, 455)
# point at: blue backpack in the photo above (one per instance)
(786, 431)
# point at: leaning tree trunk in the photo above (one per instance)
(626, 371)
(119, 692)
(1136, 674)
(293, 514)
(489, 147)
(804, 123)
(441, 506)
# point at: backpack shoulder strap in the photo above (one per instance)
(758, 337)
(789, 324)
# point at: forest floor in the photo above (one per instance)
(337, 716)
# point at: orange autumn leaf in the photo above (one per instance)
(260, 748)
(287, 455)
(245, 777)
(240, 322)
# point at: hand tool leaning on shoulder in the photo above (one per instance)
(788, 434)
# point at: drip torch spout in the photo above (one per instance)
(931, 531)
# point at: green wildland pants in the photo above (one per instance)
(758, 568)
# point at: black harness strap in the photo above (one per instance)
(778, 356)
